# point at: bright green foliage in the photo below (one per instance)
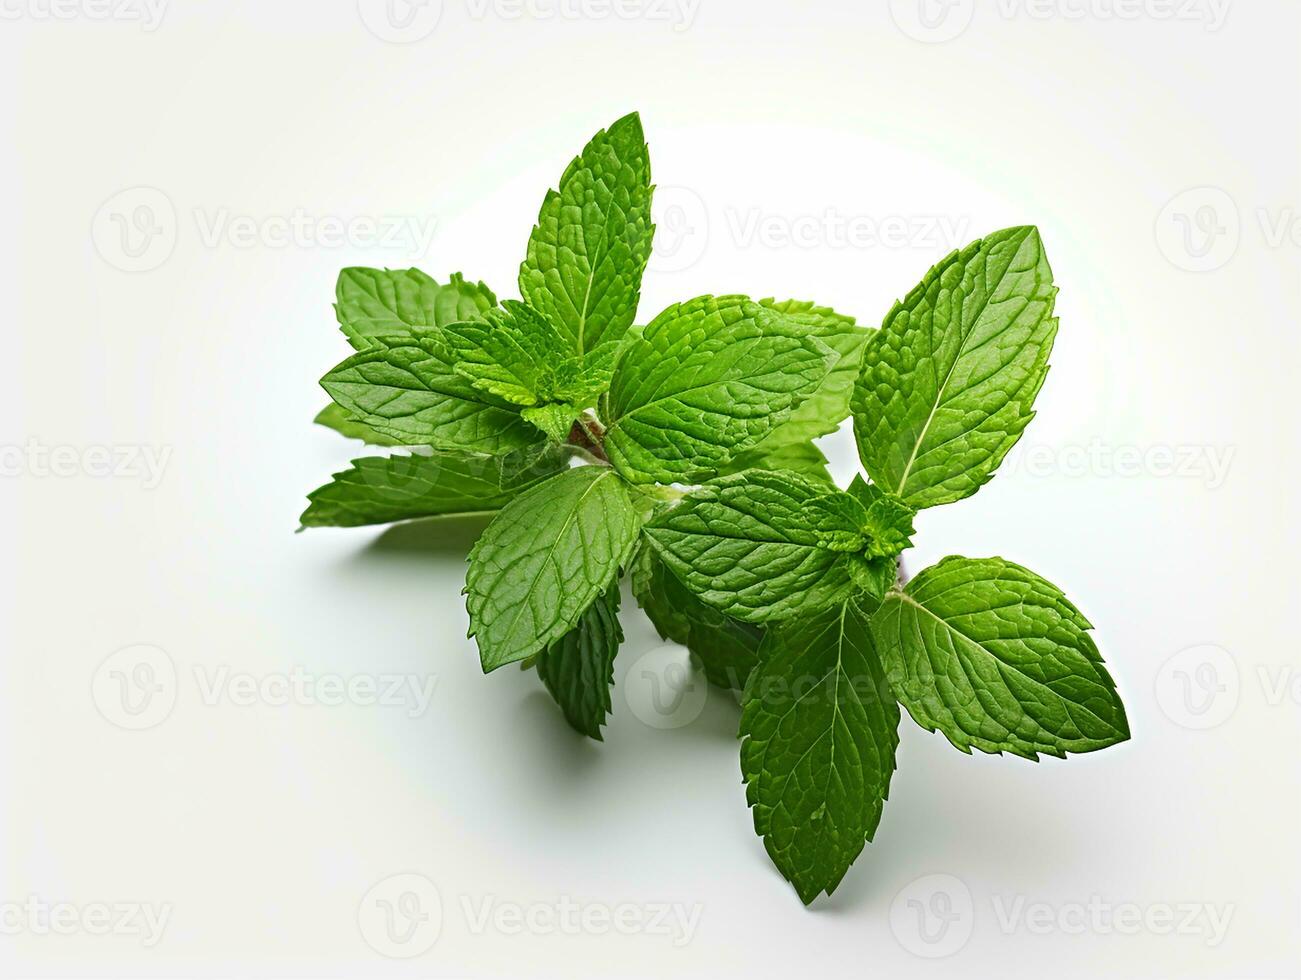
(689, 444)
(545, 559)
(590, 246)
(949, 380)
(820, 729)
(704, 381)
(997, 659)
(578, 668)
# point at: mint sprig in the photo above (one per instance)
(682, 453)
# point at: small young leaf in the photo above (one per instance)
(445, 483)
(590, 246)
(726, 648)
(405, 388)
(949, 381)
(888, 520)
(704, 381)
(545, 559)
(334, 417)
(578, 668)
(744, 546)
(396, 302)
(820, 729)
(997, 659)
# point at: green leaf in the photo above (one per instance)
(726, 648)
(827, 407)
(705, 381)
(578, 669)
(803, 458)
(887, 519)
(948, 382)
(588, 251)
(743, 544)
(396, 302)
(997, 659)
(335, 417)
(545, 559)
(383, 489)
(406, 389)
(820, 729)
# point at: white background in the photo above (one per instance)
(828, 150)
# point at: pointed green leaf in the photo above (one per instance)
(578, 669)
(705, 381)
(335, 417)
(590, 246)
(445, 483)
(545, 559)
(396, 302)
(949, 381)
(406, 389)
(820, 729)
(998, 660)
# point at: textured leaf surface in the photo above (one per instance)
(406, 389)
(578, 669)
(726, 648)
(820, 729)
(588, 251)
(395, 302)
(545, 559)
(828, 406)
(704, 381)
(382, 489)
(744, 546)
(949, 381)
(997, 659)
(335, 417)
(803, 458)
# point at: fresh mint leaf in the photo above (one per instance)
(588, 251)
(803, 458)
(828, 406)
(544, 560)
(335, 417)
(743, 545)
(726, 648)
(406, 388)
(949, 381)
(705, 381)
(820, 729)
(578, 668)
(445, 483)
(888, 521)
(396, 302)
(998, 660)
